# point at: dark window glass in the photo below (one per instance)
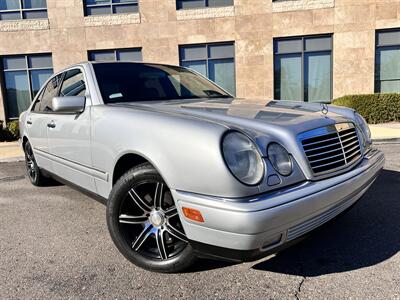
(387, 61)
(34, 14)
(103, 7)
(188, 4)
(116, 55)
(17, 92)
(129, 55)
(50, 91)
(36, 106)
(9, 4)
(102, 56)
(214, 61)
(14, 62)
(38, 78)
(23, 9)
(23, 77)
(303, 68)
(73, 84)
(130, 82)
(34, 3)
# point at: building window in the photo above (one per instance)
(215, 61)
(23, 9)
(188, 4)
(387, 62)
(303, 68)
(23, 77)
(105, 7)
(116, 55)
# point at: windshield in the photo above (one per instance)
(131, 82)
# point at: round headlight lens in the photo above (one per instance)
(242, 157)
(280, 159)
(363, 126)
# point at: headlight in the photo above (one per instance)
(280, 159)
(363, 126)
(242, 157)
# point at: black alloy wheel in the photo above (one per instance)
(144, 222)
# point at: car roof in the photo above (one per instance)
(88, 63)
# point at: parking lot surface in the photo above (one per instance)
(54, 244)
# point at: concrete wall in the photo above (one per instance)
(252, 24)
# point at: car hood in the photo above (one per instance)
(251, 114)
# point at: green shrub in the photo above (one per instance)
(375, 108)
(6, 135)
(10, 132)
(13, 128)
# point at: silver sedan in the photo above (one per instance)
(189, 171)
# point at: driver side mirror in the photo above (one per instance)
(69, 104)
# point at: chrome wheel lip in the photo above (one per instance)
(156, 221)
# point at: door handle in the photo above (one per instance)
(52, 124)
(29, 122)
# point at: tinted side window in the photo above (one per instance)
(49, 93)
(73, 84)
(36, 105)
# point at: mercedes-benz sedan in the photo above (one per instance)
(186, 169)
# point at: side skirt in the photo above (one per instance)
(78, 188)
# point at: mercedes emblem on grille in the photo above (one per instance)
(324, 108)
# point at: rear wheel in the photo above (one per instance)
(144, 222)
(34, 174)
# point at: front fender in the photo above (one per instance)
(186, 151)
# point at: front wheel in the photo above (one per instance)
(144, 223)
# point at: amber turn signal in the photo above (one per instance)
(193, 214)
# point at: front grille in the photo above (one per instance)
(331, 148)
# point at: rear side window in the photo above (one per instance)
(73, 84)
(50, 91)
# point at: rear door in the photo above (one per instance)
(38, 120)
(69, 137)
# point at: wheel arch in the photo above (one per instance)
(129, 160)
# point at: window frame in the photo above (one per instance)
(62, 73)
(302, 54)
(207, 59)
(21, 10)
(111, 4)
(377, 76)
(116, 53)
(206, 5)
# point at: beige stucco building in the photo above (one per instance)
(254, 27)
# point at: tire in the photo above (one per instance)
(34, 174)
(144, 223)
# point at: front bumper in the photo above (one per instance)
(259, 224)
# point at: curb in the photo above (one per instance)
(12, 159)
(387, 141)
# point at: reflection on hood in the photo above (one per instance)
(266, 111)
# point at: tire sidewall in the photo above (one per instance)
(117, 195)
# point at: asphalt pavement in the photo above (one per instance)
(54, 244)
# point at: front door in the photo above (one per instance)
(69, 136)
(37, 121)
